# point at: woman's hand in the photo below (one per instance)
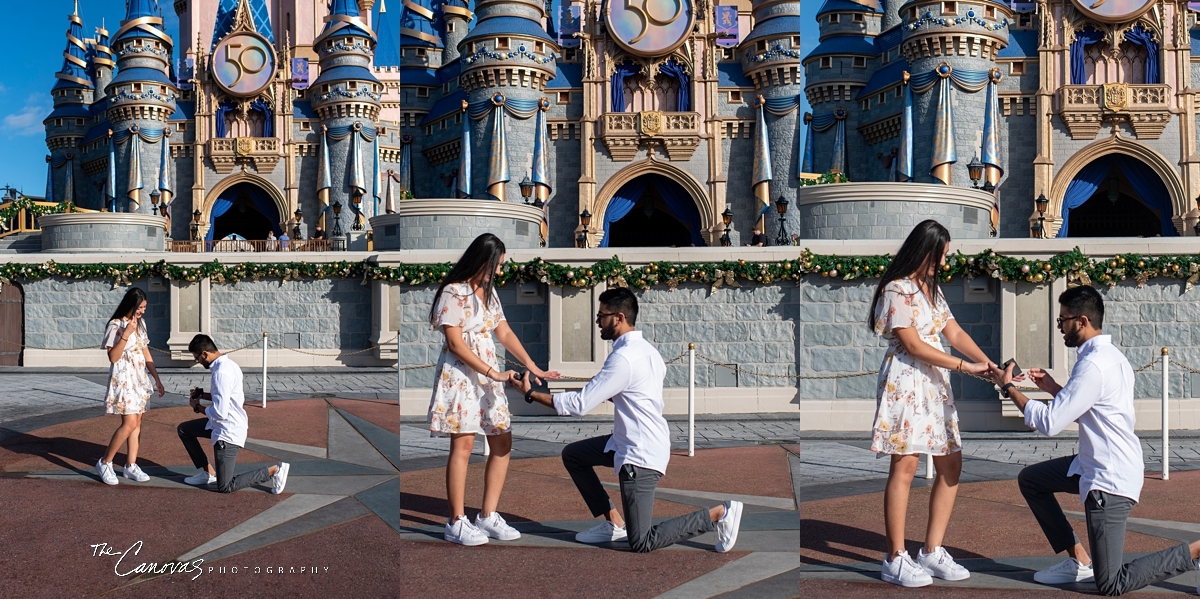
(158, 386)
(502, 376)
(541, 375)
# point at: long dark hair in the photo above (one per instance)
(129, 304)
(482, 255)
(923, 248)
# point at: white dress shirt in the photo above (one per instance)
(632, 377)
(226, 416)
(1098, 396)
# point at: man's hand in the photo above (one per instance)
(1044, 381)
(522, 382)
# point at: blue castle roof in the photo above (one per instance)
(344, 72)
(729, 74)
(227, 12)
(786, 25)
(419, 76)
(387, 53)
(568, 76)
(844, 45)
(449, 104)
(132, 74)
(891, 74)
(494, 26)
(416, 25)
(1022, 43)
(846, 6)
(73, 74)
(136, 9)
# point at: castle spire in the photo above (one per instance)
(388, 53)
(416, 25)
(73, 73)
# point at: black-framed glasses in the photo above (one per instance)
(601, 315)
(1060, 320)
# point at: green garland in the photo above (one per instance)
(1076, 267)
(827, 178)
(11, 209)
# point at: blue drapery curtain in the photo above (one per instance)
(220, 207)
(1150, 189)
(675, 197)
(618, 84)
(676, 71)
(1083, 39)
(1139, 36)
(1141, 177)
(268, 117)
(223, 109)
(622, 204)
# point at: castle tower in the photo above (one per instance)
(891, 14)
(771, 59)
(506, 59)
(420, 44)
(102, 62)
(940, 45)
(141, 100)
(346, 97)
(67, 123)
(456, 18)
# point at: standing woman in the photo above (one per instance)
(128, 384)
(916, 413)
(468, 393)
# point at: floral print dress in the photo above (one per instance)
(129, 385)
(466, 401)
(916, 412)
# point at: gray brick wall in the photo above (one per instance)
(454, 232)
(70, 314)
(102, 236)
(327, 313)
(886, 220)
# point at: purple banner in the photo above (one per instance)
(727, 26)
(1194, 6)
(300, 73)
(570, 22)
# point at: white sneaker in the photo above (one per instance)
(495, 527)
(462, 532)
(727, 527)
(279, 481)
(105, 470)
(605, 532)
(201, 478)
(940, 564)
(133, 472)
(905, 572)
(1065, 572)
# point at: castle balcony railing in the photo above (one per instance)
(1084, 108)
(250, 245)
(21, 216)
(226, 153)
(624, 133)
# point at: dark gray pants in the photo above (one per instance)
(225, 455)
(637, 497)
(1106, 517)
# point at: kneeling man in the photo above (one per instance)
(1107, 474)
(640, 446)
(225, 425)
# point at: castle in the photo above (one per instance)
(1088, 107)
(269, 111)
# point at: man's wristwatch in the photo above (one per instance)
(1004, 389)
(529, 395)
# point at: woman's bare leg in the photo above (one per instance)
(496, 470)
(129, 423)
(456, 472)
(941, 501)
(895, 500)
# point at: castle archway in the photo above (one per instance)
(245, 205)
(653, 204)
(1117, 188)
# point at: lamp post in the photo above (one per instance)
(296, 228)
(336, 234)
(781, 206)
(585, 219)
(975, 171)
(195, 226)
(1042, 204)
(526, 189)
(154, 198)
(356, 199)
(727, 220)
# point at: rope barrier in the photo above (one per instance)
(391, 341)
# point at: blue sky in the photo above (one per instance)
(35, 39)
